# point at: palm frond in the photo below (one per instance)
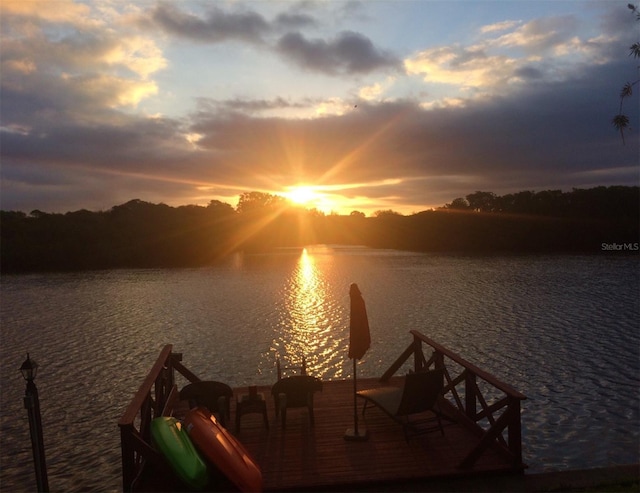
(621, 122)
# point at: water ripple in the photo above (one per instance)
(562, 330)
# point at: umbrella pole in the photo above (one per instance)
(353, 434)
(355, 398)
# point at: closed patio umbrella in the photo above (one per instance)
(359, 342)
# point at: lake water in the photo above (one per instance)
(563, 330)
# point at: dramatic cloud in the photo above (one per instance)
(248, 106)
(488, 69)
(61, 11)
(498, 138)
(540, 35)
(216, 27)
(294, 21)
(499, 26)
(520, 104)
(349, 52)
(76, 72)
(462, 67)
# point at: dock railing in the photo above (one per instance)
(476, 399)
(471, 396)
(154, 398)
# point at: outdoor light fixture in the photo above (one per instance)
(29, 369)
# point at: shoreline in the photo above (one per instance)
(582, 478)
(611, 478)
(571, 480)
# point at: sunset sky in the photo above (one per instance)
(401, 105)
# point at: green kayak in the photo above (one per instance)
(174, 443)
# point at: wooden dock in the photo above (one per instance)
(303, 457)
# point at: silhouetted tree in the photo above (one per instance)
(260, 202)
(621, 120)
(459, 204)
(386, 213)
(482, 201)
(221, 208)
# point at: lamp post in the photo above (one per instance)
(29, 369)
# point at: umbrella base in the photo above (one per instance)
(361, 436)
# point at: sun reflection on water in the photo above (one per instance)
(308, 321)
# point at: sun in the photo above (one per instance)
(319, 197)
(302, 195)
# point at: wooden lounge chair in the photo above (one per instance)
(215, 396)
(294, 392)
(419, 395)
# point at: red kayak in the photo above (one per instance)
(222, 450)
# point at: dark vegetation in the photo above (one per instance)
(139, 234)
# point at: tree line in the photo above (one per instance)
(612, 201)
(140, 234)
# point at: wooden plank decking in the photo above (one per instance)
(304, 457)
(484, 434)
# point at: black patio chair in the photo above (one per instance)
(295, 392)
(215, 396)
